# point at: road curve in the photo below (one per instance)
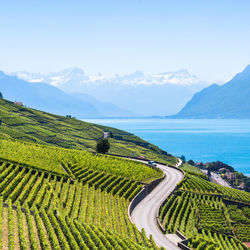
(145, 213)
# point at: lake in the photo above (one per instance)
(200, 140)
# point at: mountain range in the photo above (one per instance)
(230, 100)
(72, 92)
(45, 97)
(135, 94)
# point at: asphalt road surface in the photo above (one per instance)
(145, 213)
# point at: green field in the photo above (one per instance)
(56, 193)
(62, 161)
(22, 229)
(193, 170)
(25, 124)
(202, 211)
(86, 209)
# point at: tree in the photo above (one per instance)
(1, 95)
(102, 146)
(183, 158)
(191, 162)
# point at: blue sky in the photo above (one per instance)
(209, 38)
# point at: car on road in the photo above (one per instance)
(152, 163)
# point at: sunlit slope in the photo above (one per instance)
(84, 209)
(42, 230)
(72, 162)
(210, 215)
(31, 125)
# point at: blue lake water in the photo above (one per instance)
(201, 140)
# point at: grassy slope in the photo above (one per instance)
(91, 201)
(36, 126)
(58, 160)
(192, 170)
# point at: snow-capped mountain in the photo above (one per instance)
(146, 94)
(54, 79)
(77, 75)
(180, 77)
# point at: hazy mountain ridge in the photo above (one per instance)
(43, 96)
(156, 94)
(230, 100)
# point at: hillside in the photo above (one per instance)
(230, 100)
(70, 199)
(45, 97)
(49, 98)
(210, 215)
(54, 198)
(31, 125)
(54, 195)
(59, 161)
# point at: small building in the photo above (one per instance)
(19, 103)
(105, 134)
(229, 175)
(242, 185)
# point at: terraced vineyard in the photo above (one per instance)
(26, 124)
(79, 208)
(193, 170)
(199, 185)
(58, 198)
(200, 210)
(73, 163)
(23, 229)
(240, 218)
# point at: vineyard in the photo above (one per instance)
(201, 210)
(240, 221)
(30, 125)
(193, 170)
(196, 184)
(71, 207)
(23, 229)
(63, 197)
(196, 215)
(73, 163)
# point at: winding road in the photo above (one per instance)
(145, 213)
